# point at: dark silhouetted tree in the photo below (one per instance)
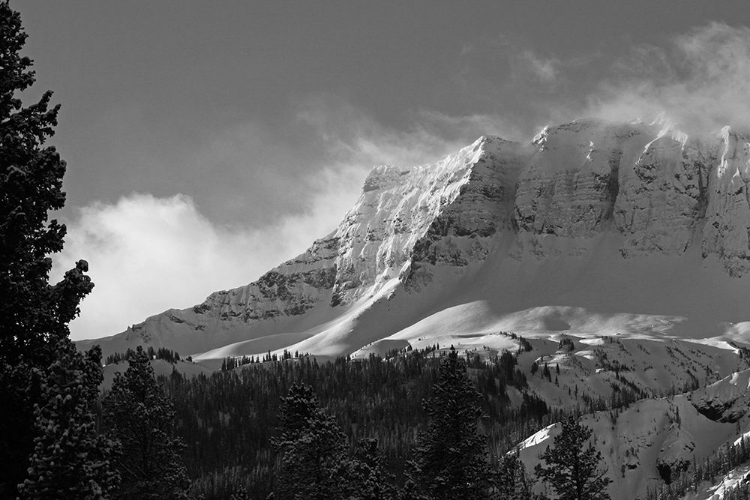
(311, 444)
(362, 476)
(32, 312)
(34, 315)
(511, 479)
(240, 494)
(450, 457)
(70, 459)
(142, 419)
(573, 469)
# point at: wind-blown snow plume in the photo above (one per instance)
(701, 81)
(353, 138)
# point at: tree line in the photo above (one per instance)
(167, 355)
(228, 418)
(450, 459)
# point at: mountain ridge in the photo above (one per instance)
(587, 217)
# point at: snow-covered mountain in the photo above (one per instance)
(592, 228)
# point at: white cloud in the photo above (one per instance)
(701, 80)
(149, 254)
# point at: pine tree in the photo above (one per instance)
(31, 311)
(142, 419)
(363, 475)
(312, 446)
(450, 460)
(34, 315)
(240, 494)
(574, 472)
(512, 482)
(70, 460)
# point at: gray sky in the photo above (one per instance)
(209, 141)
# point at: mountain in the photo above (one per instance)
(592, 228)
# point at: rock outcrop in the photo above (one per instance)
(726, 400)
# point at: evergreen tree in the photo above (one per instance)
(34, 315)
(32, 312)
(573, 470)
(512, 482)
(142, 419)
(450, 460)
(240, 494)
(70, 460)
(311, 444)
(363, 476)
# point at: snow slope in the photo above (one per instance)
(642, 442)
(667, 432)
(722, 487)
(607, 369)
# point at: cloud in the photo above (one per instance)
(353, 138)
(544, 69)
(149, 254)
(701, 80)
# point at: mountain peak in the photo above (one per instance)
(600, 223)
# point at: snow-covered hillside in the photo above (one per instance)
(651, 438)
(593, 228)
(655, 438)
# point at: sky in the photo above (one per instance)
(207, 142)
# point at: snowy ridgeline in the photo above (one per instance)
(593, 228)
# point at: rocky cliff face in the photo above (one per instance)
(725, 400)
(727, 222)
(659, 189)
(400, 210)
(570, 185)
(462, 232)
(655, 190)
(588, 177)
(288, 290)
